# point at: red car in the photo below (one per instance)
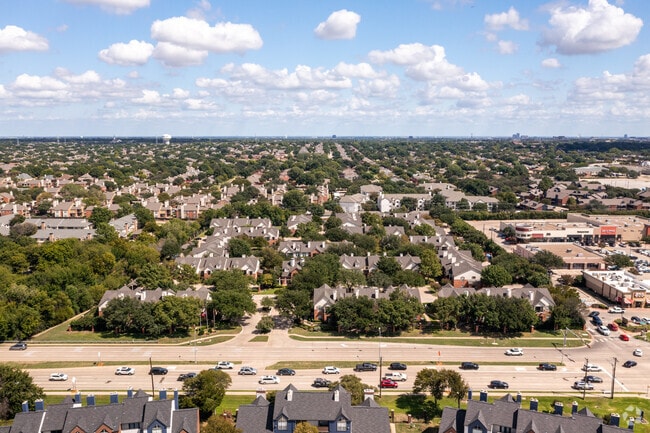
(388, 383)
(613, 326)
(624, 337)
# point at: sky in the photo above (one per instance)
(324, 67)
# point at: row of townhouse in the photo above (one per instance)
(133, 291)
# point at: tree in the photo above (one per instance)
(354, 386)
(305, 427)
(351, 278)
(267, 303)
(205, 391)
(16, 386)
(227, 280)
(547, 259)
(495, 276)
(218, 424)
(295, 304)
(232, 304)
(100, 215)
(265, 325)
(238, 248)
(618, 260)
(295, 200)
(458, 388)
(431, 381)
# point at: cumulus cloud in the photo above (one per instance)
(14, 38)
(339, 25)
(304, 77)
(551, 63)
(148, 97)
(596, 28)
(511, 19)
(198, 12)
(423, 62)
(177, 56)
(360, 70)
(507, 47)
(134, 53)
(120, 7)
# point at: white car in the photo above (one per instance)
(515, 351)
(582, 385)
(637, 352)
(616, 310)
(603, 330)
(224, 365)
(59, 377)
(128, 371)
(269, 379)
(591, 367)
(331, 370)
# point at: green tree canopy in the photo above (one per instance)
(205, 391)
(16, 386)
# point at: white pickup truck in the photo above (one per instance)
(397, 377)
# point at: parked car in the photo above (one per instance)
(629, 364)
(468, 366)
(514, 351)
(597, 320)
(638, 320)
(498, 384)
(397, 366)
(591, 367)
(624, 337)
(616, 310)
(613, 326)
(545, 366)
(184, 376)
(18, 346)
(158, 370)
(581, 385)
(58, 377)
(269, 379)
(331, 370)
(396, 376)
(366, 366)
(593, 379)
(594, 313)
(637, 352)
(224, 365)
(247, 371)
(603, 330)
(319, 382)
(388, 383)
(285, 372)
(121, 371)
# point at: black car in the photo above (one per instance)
(545, 366)
(469, 366)
(593, 379)
(498, 384)
(285, 372)
(158, 370)
(397, 366)
(321, 383)
(18, 346)
(629, 364)
(597, 320)
(594, 313)
(184, 376)
(366, 366)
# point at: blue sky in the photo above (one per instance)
(324, 67)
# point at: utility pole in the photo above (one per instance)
(584, 381)
(613, 378)
(153, 390)
(380, 362)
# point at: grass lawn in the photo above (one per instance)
(259, 339)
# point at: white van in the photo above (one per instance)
(397, 377)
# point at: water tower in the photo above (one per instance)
(166, 138)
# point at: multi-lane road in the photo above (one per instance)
(520, 372)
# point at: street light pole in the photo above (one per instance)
(380, 362)
(613, 378)
(584, 382)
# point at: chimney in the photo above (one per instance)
(483, 396)
(176, 399)
(509, 291)
(334, 295)
(260, 392)
(162, 394)
(290, 395)
(630, 423)
(519, 398)
(614, 419)
(25, 406)
(39, 405)
(90, 400)
(469, 394)
(533, 404)
(531, 295)
(77, 399)
(574, 408)
(114, 399)
(558, 408)
(336, 395)
(369, 394)
(129, 392)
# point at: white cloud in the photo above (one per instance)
(198, 12)
(339, 25)
(120, 7)
(497, 22)
(180, 93)
(177, 56)
(198, 35)
(14, 38)
(507, 47)
(134, 53)
(551, 63)
(360, 70)
(88, 77)
(304, 77)
(148, 97)
(596, 28)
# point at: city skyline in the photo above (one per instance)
(347, 68)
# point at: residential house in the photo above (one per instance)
(330, 411)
